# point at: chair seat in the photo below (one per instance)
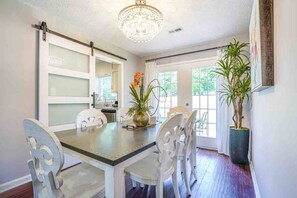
(146, 170)
(83, 180)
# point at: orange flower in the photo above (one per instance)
(138, 75)
(136, 81)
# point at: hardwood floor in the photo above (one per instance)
(217, 178)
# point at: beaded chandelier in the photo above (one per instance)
(140, 22)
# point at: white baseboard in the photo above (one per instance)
(14, 183)
(255, 183)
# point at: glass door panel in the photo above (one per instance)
(68, 59)
(67, 86)
(204, 100)
(61, 114)
(168, 80)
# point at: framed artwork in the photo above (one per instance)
(261, 45)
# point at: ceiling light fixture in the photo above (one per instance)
(140, 22)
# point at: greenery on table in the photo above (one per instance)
(140, 98)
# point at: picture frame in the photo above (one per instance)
(261, 45)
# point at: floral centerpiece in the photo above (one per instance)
(140, 107)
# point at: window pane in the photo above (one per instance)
(212, 116)
(203, 111)
(168, 103)
(68, 59)
(203, 102)
(203, 74)
(195, 89)
(174, 101)
(203, 87)
(211, 86)
(212, 101)
(174, 90)
(67, 86)
(211, 74)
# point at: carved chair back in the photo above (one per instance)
(90, 117)
(47, 159)
(167, 142)
(188, 131)
(179, 109)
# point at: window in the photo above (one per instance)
(168, 80)
(204, 99)
(104, 86)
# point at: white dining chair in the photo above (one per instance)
(82, 180)
(201, 123)
(185, 111)
(186, 149)
(90, 117)
(122, 114)
(157, 167)
(179, 109)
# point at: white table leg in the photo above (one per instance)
(114, 175)
(114, 182)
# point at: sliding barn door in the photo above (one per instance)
(66, 78)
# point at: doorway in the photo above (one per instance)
(108, 86)
(193, 85)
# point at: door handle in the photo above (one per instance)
(94, 100)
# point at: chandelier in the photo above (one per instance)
(140, 22)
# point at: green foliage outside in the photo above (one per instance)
(203, 82)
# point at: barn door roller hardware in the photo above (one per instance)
(45, 29)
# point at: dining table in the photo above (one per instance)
(112, 148)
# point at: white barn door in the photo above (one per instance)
(66, 81)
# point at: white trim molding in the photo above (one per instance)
(15, 183)
(254, 178)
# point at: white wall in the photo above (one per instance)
(274, 115)
(18, 77)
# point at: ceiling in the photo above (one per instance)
(201, 20)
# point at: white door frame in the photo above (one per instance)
(202, 142)
(45, 70)
(120, 81)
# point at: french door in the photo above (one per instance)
(66, 81)
(193, 85)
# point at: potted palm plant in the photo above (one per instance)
(140, 97)
(234, 67)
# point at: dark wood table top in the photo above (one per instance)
(111, 143)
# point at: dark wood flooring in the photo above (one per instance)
(217, 178)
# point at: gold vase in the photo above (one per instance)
(141, 119)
